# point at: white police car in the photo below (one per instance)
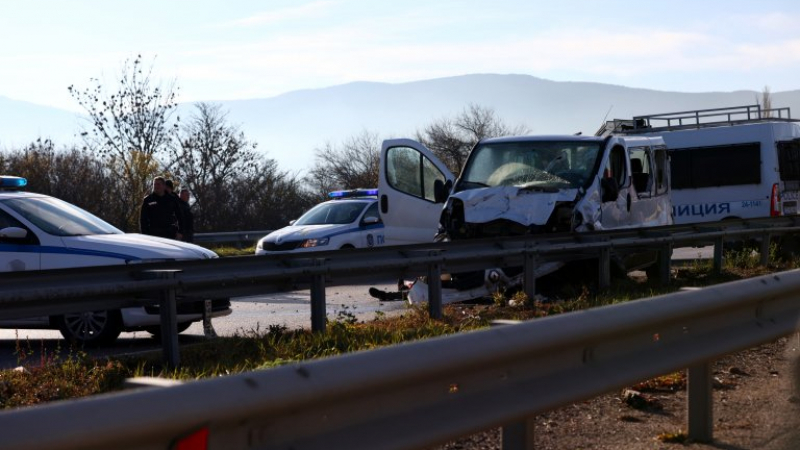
(349, 220)
(39, 232)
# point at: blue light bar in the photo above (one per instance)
(354, 193)
(12, 182)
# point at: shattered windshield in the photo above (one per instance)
(548, 165)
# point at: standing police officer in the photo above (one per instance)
(188, 217)
(160, 215)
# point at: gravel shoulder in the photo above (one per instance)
(756, 406)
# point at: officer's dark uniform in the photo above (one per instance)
(188, 220)
(161, 216)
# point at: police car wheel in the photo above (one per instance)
(91, 328)
(156, 330)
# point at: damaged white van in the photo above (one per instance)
(525, 185)
(739, 162)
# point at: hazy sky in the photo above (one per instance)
(221, 50)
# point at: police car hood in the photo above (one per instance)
(303, 232)
(526, 206)
(138, 246)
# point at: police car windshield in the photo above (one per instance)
(531, 164)
(335, 212)
(59, 218)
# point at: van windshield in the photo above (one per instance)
(547, 165)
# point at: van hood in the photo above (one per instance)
(138, 246)
(521, 205)
(300, 233)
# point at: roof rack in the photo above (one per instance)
(701, 118)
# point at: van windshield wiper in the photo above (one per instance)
(472, 184)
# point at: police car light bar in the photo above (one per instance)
(8, 182)
(354, 193)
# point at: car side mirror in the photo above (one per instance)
(13, 233)
(370, 220)
(441, 190)
(291, 222)
(609, 188)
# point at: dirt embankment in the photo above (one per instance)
(756, 406)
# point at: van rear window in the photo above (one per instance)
(723, 165)
(789, 159)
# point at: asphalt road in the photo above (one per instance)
(250, 314)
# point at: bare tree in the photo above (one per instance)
(210, 152)
(72, 174)
(351, 165)
(130, 124)
(234, 186)
(451, 139)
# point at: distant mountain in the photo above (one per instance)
(290, 126)
(22, 123)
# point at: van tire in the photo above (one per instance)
(91, 329)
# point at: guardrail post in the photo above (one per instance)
(168, 309)
(519, 436)
(604, 280)
(529, 282)
(718, 249)
(764, 249)
(208, 327)
(435, 288)
(319, 314)
(665, 264)
(701, 402)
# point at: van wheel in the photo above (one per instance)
(91, 328)
(156, 330)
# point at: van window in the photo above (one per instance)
(409, 171)
(723, 165)
(660, 169)
(641, 173)
(789, 159)
(616, 167)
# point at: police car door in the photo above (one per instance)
(408, 171)
(17, 252)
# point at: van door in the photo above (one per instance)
(18, 254)
(407, 173)
(789, 169)
(616, 212)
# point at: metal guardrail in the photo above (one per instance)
(424, 393)
(52, 292)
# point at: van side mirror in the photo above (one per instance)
(609, 188)
(13, 233)
(441, 190)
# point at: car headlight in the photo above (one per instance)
(308, 243)
(260, 245)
